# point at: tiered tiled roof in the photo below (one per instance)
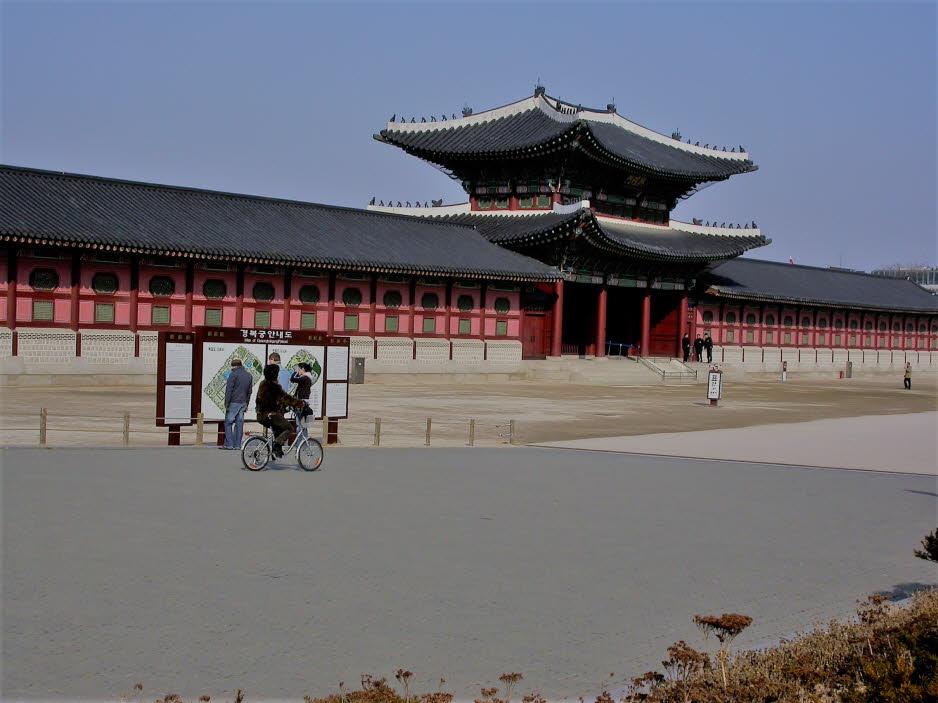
(48, 207)
(541, 124)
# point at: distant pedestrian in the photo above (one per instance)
(784, 371)
(708, 345)
(685, 346)
(237, 396)
(698, 348)
(907, 376)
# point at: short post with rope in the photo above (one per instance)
(125, 429)
(429, 425)
(43, 414)
(377, 441)
(472, 433)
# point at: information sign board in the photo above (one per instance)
(193, 369)
(714, 385)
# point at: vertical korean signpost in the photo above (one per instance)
(714, 385)
(193, 369)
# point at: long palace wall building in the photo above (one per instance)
(565, 246)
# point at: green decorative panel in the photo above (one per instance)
(262, 319)
(213, 317)
(42, 310)
(465, 327)
(160, 315)
(308, 321)
(429, 324)
(103, 312)
(391, 324)
(501, 328)
(351, 322)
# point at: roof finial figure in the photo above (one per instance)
(454, 115)
(742, 149)
(697, 222)
(724, 148)
(747, 226)
(444, 118)
(437, 203)
(381, 204)
(433, 119)
(722, 224)
(408, 203)
(423, 119)
(754, 225)
(466, 111)
(676, 134)
(399, 204)
(696, 143)
(706, 146)
(393, 117)
(538, 89)
(413, 120)
(372, 202)
(733, 150)
(418, 204)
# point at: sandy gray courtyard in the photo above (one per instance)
(174, 568)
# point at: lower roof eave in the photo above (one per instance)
(331, 264)
(816, 303)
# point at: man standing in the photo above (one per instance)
(698, 348)
(237, 395)
(708, 345)
(283, 375)
(907, 376)
(685, 345)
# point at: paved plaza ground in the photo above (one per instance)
(175, 568)
(544, 411)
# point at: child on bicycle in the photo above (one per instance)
(271, 400)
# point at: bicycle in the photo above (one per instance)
(257, 451)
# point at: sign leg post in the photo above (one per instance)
(174, 435)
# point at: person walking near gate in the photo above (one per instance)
(685, 345)
(708, 345)
(237, 396)
(907, 376)
(698, 349)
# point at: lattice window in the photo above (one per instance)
(351, 322)
(750, 319)
(770, 320)
(392, 299)
(430, 301)
(214, 288)
(103, 312)
(44, 279)
(429, 324)
(309, 294)
(352, 296)
(104, 283)
(707, 316)
(465, 303)
(501, 328)
(502, 305)
(731, 318)
(391, 323)
(788, 321)
(263, 291)
(42, 310)
(162, 285)
(213, 317)
(160, 315)
(308, 320)
(262, 318)
(854, 325)
(465, 327)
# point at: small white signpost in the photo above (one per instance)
(714, 385)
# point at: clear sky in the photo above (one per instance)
(836, 102)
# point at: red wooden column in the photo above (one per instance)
(645, 342)
(239, 296)
(682, 326)
(190, 277)
(73, 294)
(287, 296)
(330, 305)
(372, 304)
(449, 313)
(11, 288)
(556, 333)
(601, 303)
(412, 310)
(134, 292)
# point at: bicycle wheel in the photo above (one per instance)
(255, 454)
(309, 454)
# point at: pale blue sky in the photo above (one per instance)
(836, 102)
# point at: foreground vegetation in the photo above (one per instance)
(888, 654)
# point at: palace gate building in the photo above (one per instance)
(565, 246)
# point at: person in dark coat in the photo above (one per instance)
(708, 345)
(685, 345)
(698, 348)
(237, 396)
(271, 400)
(303, 380)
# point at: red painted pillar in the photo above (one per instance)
(601, 302)
(645, 342)
(239, 296)
(287, 297)
(134, 292)
(190, 277)
(556, 334)
(372, 303)
(74, 292)
(11, 288)
(682, 326)
(330, 305)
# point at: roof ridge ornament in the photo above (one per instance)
(466, 111)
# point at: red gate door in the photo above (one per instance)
(533, 337)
